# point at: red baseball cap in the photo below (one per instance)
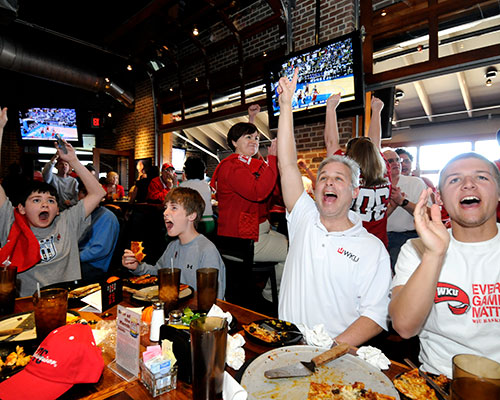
(167, 166)
(67, 356)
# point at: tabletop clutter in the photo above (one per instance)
(197, 351)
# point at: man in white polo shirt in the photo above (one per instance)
(336, 273)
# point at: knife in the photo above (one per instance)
(306, 368)
(27, 324)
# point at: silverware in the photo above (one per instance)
(270, 328)
(306, 368)
(433, 384)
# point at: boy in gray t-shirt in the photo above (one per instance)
(56, 232)
(191, 250)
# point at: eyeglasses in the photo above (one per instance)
(393, 160)
(405, 161)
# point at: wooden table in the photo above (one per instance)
(111, 386)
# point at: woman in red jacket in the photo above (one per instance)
(244, 186)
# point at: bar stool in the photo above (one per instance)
(238, 254)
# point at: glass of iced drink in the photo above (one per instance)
(7, 290)
(208, 356)
(206, 287)
(475, 377)
(169, 280)
(51, 306)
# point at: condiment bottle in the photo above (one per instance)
(157, 320)
(174, 317)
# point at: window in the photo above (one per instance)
(430, 159)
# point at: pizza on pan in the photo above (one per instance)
(356, 391)
(412, 385)
(263, 334)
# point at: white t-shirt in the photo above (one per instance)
(204, 190)
(465, 317)
(401, 220)
(332, 278)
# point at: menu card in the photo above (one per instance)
(128, 336)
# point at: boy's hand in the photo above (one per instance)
(286, 88)
(69, 156)
(128, 260)
(3, 117)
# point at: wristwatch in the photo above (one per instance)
(405, 203)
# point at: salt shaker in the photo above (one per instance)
(157, 320)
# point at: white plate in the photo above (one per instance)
(150, 293)
(29, 334)
(344, 370)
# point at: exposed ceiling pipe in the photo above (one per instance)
(15, 57)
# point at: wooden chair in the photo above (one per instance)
(241, 270)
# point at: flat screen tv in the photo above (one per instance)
(330, 67)
(39, 125)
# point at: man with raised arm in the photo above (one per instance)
(336, 273)
(447, 281)
(38, 239)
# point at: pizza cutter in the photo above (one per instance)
(306, 368)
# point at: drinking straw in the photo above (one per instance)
(172, 263)
(38, 289)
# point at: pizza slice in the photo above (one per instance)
(137, 249)
(356, 391)
(412, 385)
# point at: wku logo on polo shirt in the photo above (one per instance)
(453, 295)
(349, 255)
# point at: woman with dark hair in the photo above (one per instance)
(372, 203)
(244, 186)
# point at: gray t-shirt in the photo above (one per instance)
(58, 247)
(67, 188)
(198, 253)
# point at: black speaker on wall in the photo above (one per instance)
(387, 96)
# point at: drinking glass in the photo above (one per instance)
(475, 377)
(208, 356)
(206, 287)
(51, 306)
(169, 281)
(7, 290)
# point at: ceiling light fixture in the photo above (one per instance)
(491, 73)
(399, 94)
(195, 31)
(110, 115)
(383, 13)
(129, 67)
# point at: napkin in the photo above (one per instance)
(318, 336)
(94, 301)
(374, 356)
(232, 390)
(216, 311)
(235, 353)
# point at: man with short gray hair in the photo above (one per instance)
(336, 273)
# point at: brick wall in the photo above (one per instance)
(136, 130)
(11, 151)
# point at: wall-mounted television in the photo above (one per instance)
(330, 67)
(39, 125)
